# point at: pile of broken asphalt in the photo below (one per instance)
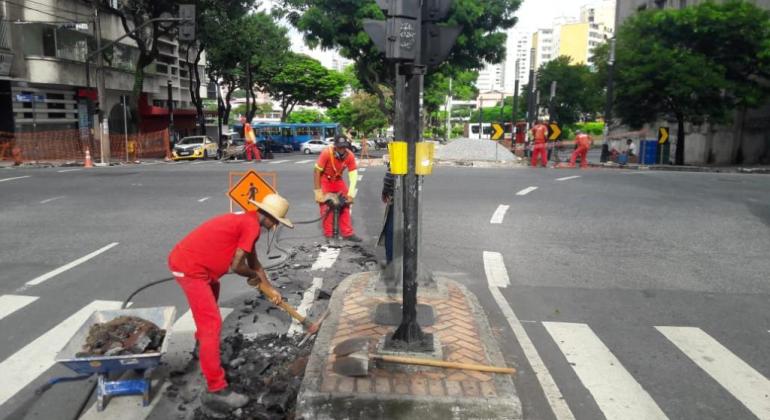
(260, 359)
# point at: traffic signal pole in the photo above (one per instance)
(409, 331)
(412, 40)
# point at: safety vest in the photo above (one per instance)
(248, 134)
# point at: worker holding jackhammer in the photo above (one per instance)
(329, 188)
(221, 245)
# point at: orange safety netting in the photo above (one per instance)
(70, 145)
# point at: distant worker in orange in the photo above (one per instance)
(540, 133)
(582, 144)
(252, 151)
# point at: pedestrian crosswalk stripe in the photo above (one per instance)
(276, 162)
(12, 303)
(618, 395)
(746, 384)
(567, 178)
(326, 259)
(526, 191)
(32, 360)
(181, 342)
(307, 301)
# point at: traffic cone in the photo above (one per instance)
(88, 163)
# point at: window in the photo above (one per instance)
(49, 42)
(124, 57)
(71, 45)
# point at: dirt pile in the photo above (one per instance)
(121, 336)
(268, 369)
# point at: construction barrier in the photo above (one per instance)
(70, 145)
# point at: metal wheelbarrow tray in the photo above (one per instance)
(105, 366)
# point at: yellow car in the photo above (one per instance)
(196, 147)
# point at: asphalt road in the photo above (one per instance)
(623, 294)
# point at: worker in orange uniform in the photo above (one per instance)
(582, 144)
(540, 133)
(221, 245)
(328, 186)
(251, 141)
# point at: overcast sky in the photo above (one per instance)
(534, 14)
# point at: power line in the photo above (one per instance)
(37, 10)
(58, 8)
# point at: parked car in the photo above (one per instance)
(234, 147)
(196, 147)
(314, 146)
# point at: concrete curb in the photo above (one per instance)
(314, 404)
(672, 168)
(481, 163)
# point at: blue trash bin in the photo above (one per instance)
(648, 152)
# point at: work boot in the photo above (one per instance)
(353, 238)
(224, 400)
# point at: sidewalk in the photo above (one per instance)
(753, 169)
(408, 392)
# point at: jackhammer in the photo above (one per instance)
(336, 203)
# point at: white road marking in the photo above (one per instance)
(181, 342)
(299, 162)
(38, 356)
(77, 262)
(618, 395)
(307, 301)
(497, 276)
(12, 303)
(16, 177)
(239, 212)
(499, 215)
(360, 177)
(494, 268)
(69, 170)
(741, 380)
(203, 199)
(48, 200)
(276, 162)
(197, 162)
(361, 169)
(526, 191)
(567, 178)
(326, 259)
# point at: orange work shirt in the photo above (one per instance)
(540, 132)
(331, 167)
(583, 141)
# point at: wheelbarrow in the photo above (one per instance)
(107, 367)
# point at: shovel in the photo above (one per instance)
(310, 327)
(353, 359)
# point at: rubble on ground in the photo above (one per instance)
(474, 150)
(268, 369)
(122, 336)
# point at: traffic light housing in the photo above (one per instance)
(187, 24)
(407, 20)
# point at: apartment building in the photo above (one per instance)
(45, 84)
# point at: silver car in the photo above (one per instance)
(314, 146)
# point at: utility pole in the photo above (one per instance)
(531, 87)
(481, 117)
(170, 105)
(411, 38)
(449, 112)
(608, 103)
(104, 139)
(219, 115)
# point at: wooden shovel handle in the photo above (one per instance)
(286, 307)
(443, 363)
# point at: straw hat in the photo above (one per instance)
(276, 206)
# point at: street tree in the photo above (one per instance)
(577, 90)
(361, 113)
(693, 65)
(211, 17)
(307, 115)
(339, 24)
(134, 13)
(302, 80)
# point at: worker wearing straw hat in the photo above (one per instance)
(221, 245)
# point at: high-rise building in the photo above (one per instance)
(602, 12)
(491, 78)
(517, 53)
(578, 40)
(544, 44)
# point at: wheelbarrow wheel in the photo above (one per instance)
(100, 393)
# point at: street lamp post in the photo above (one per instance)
(608, 103)
(170, 105)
